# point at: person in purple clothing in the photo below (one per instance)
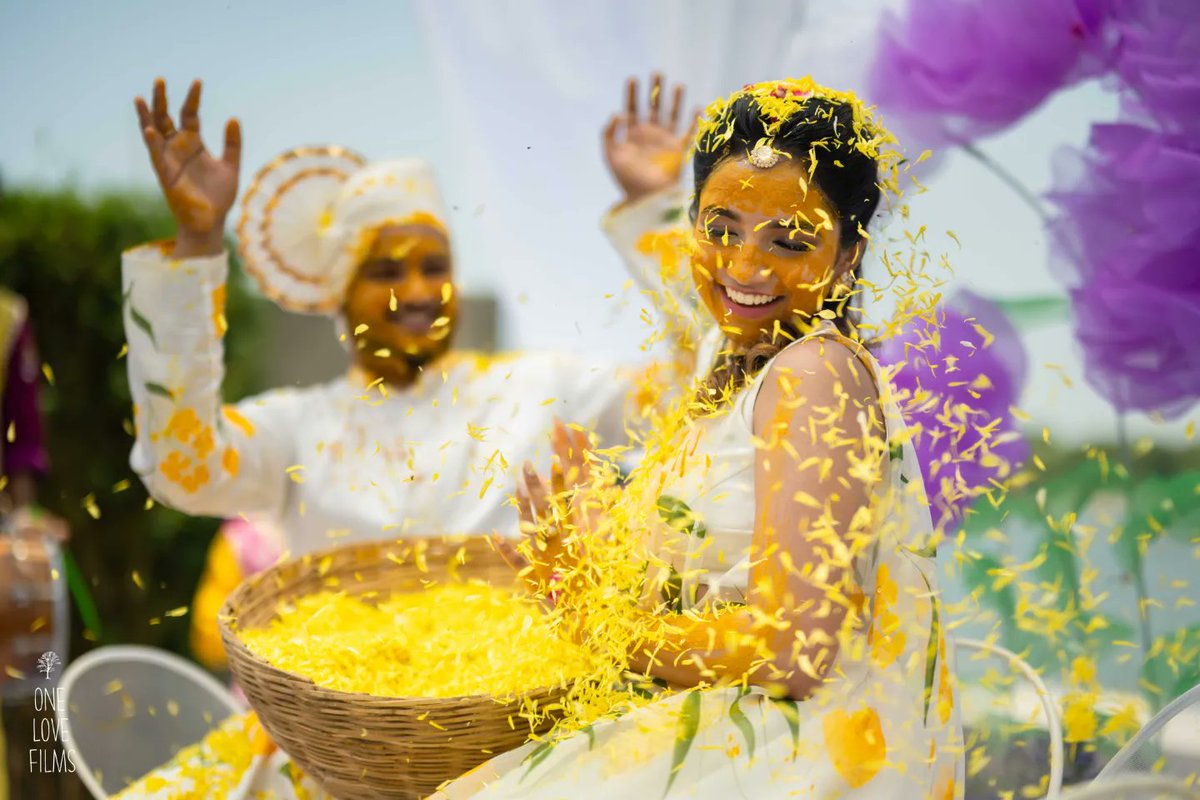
(23, 452)
(23, 459)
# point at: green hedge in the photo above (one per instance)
(62, 252)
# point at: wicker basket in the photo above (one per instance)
(358, 745)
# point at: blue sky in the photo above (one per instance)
(349, 72)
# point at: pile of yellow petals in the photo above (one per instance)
(213, 767)
(446, 641)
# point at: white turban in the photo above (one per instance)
(307, 216)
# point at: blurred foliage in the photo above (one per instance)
(62, 252)
(1027, 566)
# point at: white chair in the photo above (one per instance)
(975, 649)
(1135, 787)
(1138, 758)
(1139, 755)
(127, 709)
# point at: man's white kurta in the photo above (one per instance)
(343, 460)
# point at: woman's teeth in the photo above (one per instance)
(743, 299)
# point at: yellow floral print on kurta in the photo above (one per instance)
(666, 247)
(230, 461)
(188, 471)
(627, 750)
(945, 703)
(235, 418)
(855, 744)
(183, 425)
(886, 638)
(203, 443)
(175, 466)
(946, 790)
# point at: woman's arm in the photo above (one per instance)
(644, 152)
(818, 421)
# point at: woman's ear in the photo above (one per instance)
(848, 259)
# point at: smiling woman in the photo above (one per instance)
(768, 568)
(755, 264)
(779, 226)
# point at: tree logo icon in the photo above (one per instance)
(47, 662)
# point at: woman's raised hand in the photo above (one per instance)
(199, 188)
(645, 153)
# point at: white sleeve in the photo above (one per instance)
(192, 452)
(648, 235)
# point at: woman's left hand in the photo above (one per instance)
(550, 514)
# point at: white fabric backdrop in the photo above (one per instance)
(541, 78)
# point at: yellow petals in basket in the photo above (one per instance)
(385, 669)
(445, 641)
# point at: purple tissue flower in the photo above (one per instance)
(1159, 61)
(1129, 238)
(954, 70)
(957, 383)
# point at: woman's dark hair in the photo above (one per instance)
(819, 130)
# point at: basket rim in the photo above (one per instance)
(227, 615)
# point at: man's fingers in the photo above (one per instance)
(189, 114)
(162, 118)
(631, 103)
(155, 144)
(233, 144)
(145, 119)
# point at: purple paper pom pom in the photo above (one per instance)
(954, 70)
(1128, 239)
(957, 379)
